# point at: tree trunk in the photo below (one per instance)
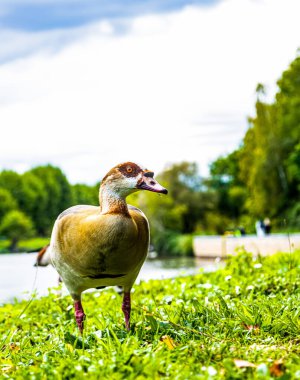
(14, 243)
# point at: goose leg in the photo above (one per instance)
(126, 307)
(79, 315)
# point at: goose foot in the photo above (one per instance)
(79, 315)
(126, 308)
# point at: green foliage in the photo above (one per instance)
(4, 245)
(33, 244)
(41, 193)
(7, 202)
(169, 243)
(265, 176)
(229, 191)
(183, 183)
(180, 209)
(34, 199)
(184, 245)
(16, 225)
(181, 212)
(270, 153)
(240, 322)
(262, 177)
(216, 222)
(59, 195)
(25, 245)
(11, 181)
(85, 195)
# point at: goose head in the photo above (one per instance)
(128, 177)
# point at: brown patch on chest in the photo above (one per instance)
(119, 207)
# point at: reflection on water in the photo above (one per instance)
(18, 276)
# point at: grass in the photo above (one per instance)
(240, 322)
(25, 245)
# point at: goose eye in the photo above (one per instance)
(129, 169)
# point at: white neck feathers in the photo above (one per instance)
(112, 202)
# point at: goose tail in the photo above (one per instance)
(43, 257)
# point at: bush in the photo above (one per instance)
(169, 243)
(16, 225)
(185, 244)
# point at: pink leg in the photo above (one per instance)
(126, 307)
(79, 315)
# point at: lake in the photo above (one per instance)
(19, 278)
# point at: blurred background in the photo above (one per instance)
(206, 93)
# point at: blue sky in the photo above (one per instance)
(25, 20)
(37, 15)
(86, 85)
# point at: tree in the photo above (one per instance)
(177, 213)
(230, 190)
(263, 174)
(33, 200)
(16, 225)
(11, 181)
(184, 185)
(269, 155)
(58, 195)
(288, 110)
(85, 195)
(7, 202)
(261, 163)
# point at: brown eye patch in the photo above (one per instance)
(129, 169)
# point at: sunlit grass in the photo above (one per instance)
(241, 322)
(27, 245)
(4, 245)
(33, 244)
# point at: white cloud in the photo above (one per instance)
(174, 87)
(16, 44)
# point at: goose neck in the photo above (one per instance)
(112, 202)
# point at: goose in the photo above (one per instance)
(96, 247)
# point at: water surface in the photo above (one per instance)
(19, 278)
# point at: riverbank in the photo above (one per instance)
(28, 245)
(238, 322)
(221, 246)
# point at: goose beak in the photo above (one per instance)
(147, 182)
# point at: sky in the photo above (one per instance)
(85, 85)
